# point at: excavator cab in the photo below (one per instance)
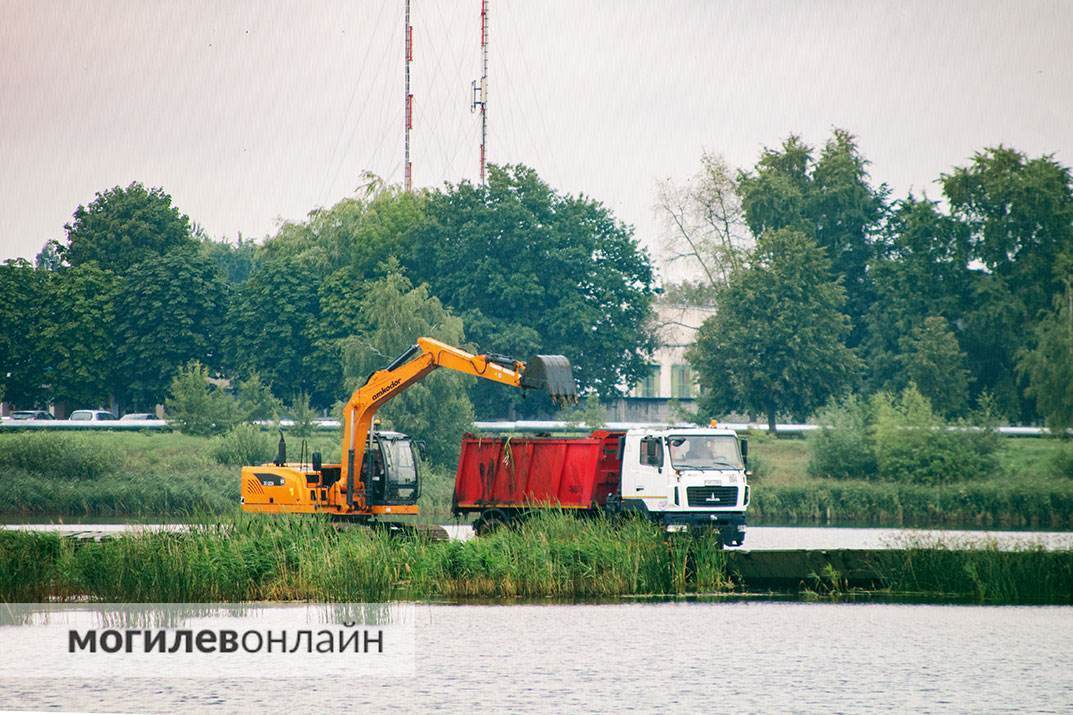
(392, 478)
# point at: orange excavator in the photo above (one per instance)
(379, 474)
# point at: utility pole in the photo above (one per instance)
(408, 39)
(480, 94)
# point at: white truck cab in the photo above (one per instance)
(687, 478)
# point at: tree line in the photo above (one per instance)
(823, 285)
(135, 291)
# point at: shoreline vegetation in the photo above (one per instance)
(553, 556)
(171, 476)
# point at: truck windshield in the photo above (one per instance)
(402, 470)
(704, 452)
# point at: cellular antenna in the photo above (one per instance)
(408, 32)
(480, 93)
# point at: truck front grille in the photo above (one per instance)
(712, 496)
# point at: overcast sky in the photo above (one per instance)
(248, 113)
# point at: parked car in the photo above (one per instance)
(130, 416)
(31, 415)
(91, 416)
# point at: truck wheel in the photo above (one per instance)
(488, 522)
(731, 537)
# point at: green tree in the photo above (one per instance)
(994, 324)
(1020, 211)
(847, 212)
(934, 362)
(437, 408)
(775, 343)
(921, 270)
(360, 233)
(831, 200)
(234, 260)
(169, 312)
(79, 324)
(23, 353)
(775, 194)
(124, 226)
(195, 406)
(270, 326)
(1049, 365)
(1020, 214)
(532, 270)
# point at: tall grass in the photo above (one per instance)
(551, 556)
(986, 575)
(1011, 503)
(554, 555)
(57, 455)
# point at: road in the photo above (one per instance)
(758, 538)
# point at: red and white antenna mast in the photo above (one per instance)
(480, 94)
(408, 168)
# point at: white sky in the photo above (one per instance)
(253, 112)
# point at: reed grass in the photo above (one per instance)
(1031, 575)
(1023, 503)
(249, 559)
(552, 556)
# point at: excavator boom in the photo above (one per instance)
(550, 373)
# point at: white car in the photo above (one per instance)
(137, 416)
(91, 416)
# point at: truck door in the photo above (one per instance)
(642, 474)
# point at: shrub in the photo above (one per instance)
(302, 415)
(256, 401)
(244, 445)
(197, 407)
(842, 447)
(1062, 461)
(913, 444)
(51, 454)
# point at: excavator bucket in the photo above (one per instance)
(553, 374)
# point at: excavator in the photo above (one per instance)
(379, 474)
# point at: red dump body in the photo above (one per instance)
(515, 472)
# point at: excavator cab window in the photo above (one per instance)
(402, 485)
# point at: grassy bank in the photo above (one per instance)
(141, 474)
(1026, 491)
(555, 556)
(154, 475)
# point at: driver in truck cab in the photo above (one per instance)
(701, 452)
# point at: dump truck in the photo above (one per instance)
(681, 478)
(378, 477)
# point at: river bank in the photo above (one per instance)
(176, 476)
(552, 557)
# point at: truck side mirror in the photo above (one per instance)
(745, 450)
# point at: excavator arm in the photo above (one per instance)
(550, 373)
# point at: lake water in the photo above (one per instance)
(656, 657)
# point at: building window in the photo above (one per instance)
(649, 386)
(681, 381)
